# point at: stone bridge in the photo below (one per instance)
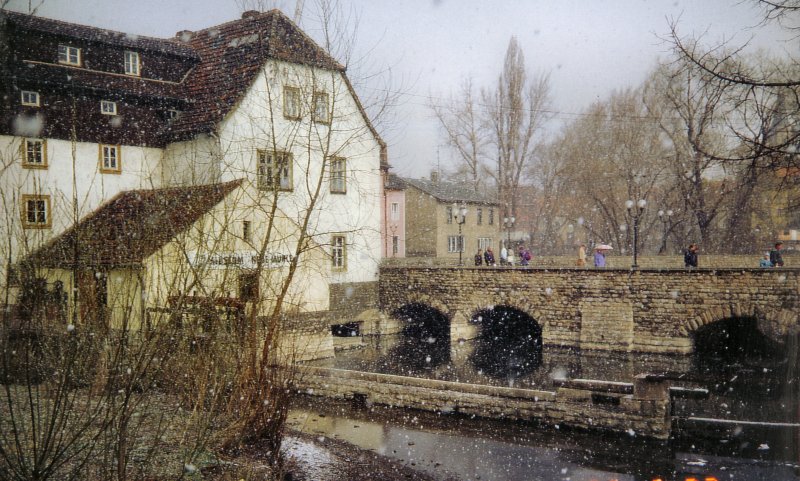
(643, 310)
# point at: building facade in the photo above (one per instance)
(394, 218)
(89, 114)
(435, 228)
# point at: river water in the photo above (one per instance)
(739, 420)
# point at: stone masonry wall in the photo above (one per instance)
(643, 415)
(648, 310)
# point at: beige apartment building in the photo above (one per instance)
(434, 225)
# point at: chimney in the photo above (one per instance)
(250, 14)
(435, 176)
(184, 35)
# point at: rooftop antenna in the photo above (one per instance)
(298, 11)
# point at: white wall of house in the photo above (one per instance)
(65, 177)
(175, 271)
(192, 162)
(258, 123)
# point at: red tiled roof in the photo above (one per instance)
(131, 226)
(221, 64)
(232, 55)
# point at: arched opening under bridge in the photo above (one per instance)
(509, 342)
(748, 373)
(425, 340)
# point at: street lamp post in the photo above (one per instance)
(508, 223)
(636, 214)
(666, 219)
(461, 217)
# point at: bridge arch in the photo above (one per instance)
(774, 322)
(425, 336)
(508, 342)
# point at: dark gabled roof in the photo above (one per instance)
(450, 191)
(94, 80)
(130, 227)
(394, 182)
(232, 55)
(219, 65)
(92, 34)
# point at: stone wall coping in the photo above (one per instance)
(506, 392)
(698, 270)
(596, 385)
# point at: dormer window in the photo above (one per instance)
(30, 98)
(132, 63)
(108, 107)
(172, 114)
(69, 55)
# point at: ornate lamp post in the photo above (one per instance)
(508, 223)
(666, 220)
(635, 214)
(460, 213)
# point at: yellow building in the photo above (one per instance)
(194, 254)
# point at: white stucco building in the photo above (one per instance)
(90, 115)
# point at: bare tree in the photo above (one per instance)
(611, 154)
(761, 90)
(690, 109)
(461, 119)
(496, 136)
(516, 113)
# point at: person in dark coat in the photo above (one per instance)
(775, 255)
(488, 256)
(690, 258)
(479, 258)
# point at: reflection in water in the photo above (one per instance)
(509, 343)
(425, 341)
(458, 447)
(761, 388)
(734, 342)
(747, 377)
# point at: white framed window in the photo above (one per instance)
(69, 55)
(395, 245)
(394, 211)
(274, 170)
(36, 212)
(107, 107)
(455, 243)
(338, 252)
(484, 242)
(291, 103)
(29, 98)
(449, 215)
(338, 175)
(34, 153)
(320, 108)
(110, 159)
(132, 63)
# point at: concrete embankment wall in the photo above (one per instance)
(640, 409)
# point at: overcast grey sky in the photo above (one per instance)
(590, 47)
